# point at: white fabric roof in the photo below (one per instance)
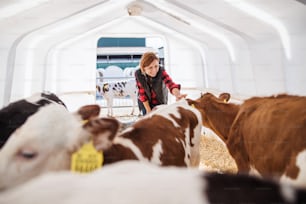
(254, 47)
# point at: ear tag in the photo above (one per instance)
(192, 105)
(87, 159)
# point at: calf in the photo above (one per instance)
(48, 139)
(130, 71)
(130, 183)
(264, 135)
(16, 113)
(99, 75)
(170, 135)
(118, 89)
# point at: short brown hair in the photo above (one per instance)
(146, 59)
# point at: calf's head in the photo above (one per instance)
(46, 141)
(217, 113)
(206, 103)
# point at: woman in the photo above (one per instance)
(152, 82)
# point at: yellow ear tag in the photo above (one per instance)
(192, 105)
(87, 159)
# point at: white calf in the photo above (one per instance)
(130, 183)
(118, 89)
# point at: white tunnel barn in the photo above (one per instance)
(245, 47)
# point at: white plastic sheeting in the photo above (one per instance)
(254, 47)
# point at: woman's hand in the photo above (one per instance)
(176, 92)
(180, 96)
(147, 106)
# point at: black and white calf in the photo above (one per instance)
(99, 75)
(134, 182)
(130, 71)
(15, 114)
(117, 89)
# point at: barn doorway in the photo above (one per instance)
(117, 60)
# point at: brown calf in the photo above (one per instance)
(266, 135)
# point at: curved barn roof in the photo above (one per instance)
(254, 47)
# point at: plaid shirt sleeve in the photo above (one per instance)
(168, 81)
(141, 92)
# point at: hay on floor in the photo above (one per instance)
(215, 156)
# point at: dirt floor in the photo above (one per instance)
(214, 156)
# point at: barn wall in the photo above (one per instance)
(295, 69)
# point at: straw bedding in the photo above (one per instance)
(214, 155)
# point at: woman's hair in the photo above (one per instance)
(146, 59)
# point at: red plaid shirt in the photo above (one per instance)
(166, 79)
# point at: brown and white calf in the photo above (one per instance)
(136, 182)
(264, 135)
(117, 89)
(46, 141)
(170, 135)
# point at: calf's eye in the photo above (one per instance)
(27, 154)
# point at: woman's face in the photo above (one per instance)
(152, 69)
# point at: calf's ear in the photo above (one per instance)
(190, 101)
(193, 103)
(225, 97)
(88, 112)
(103, 131)
(98, 88)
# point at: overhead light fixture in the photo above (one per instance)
(268, 19)
(134, 10)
